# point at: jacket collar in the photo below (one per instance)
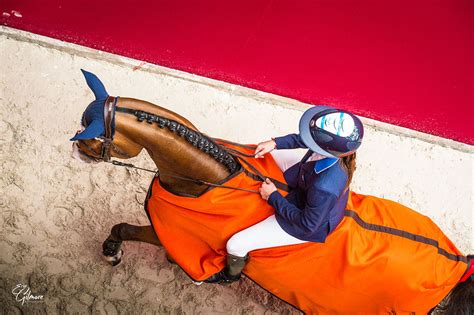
(319, 165)
(324, 164)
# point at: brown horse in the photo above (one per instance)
(177, 159)
(122, 127)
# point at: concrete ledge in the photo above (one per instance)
(276, 100)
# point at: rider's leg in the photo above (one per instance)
(264, 234)
(287, 158)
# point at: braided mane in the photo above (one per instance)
(195, 138)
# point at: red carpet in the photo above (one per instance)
(407, 63)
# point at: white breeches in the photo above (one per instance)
(268, 232)
(264, 234)
(287, 158)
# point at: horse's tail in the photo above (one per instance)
(461, 299)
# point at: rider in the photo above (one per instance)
(319, 186)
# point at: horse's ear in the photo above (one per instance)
(95, 84)
(95, 129)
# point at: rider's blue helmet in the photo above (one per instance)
(331, 132)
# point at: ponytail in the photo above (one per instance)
(349, 164)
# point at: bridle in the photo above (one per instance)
(109, 115)
(108, 138)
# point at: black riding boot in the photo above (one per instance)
(231, 272)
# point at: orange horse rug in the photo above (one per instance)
(383, 257)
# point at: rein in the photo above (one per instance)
(195, 138)
(196, 181)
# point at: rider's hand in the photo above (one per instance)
(264, 147)
(267, 189)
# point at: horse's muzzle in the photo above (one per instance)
(81, 156)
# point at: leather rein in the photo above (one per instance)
(107, 139)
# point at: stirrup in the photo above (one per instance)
(222, 277)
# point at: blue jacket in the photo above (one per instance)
(315, 205)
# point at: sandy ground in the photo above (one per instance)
(56, 212)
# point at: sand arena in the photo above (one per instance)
(56, 212)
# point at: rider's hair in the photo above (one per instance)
(349, 163)
(461, 299)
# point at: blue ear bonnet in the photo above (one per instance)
(93, 116)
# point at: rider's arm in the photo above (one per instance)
(307, 220)
(291, 141)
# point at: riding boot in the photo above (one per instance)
(231, 272)
(235, 265)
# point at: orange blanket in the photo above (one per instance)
(382, 257)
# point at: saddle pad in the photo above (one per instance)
(383, 256)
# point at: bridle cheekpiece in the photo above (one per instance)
(109, 114)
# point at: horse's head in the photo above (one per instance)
(98, 139)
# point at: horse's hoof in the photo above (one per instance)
(116, 259)
(115, 263)
(111, 248)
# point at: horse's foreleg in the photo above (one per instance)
(126, 232)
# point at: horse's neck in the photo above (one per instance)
(172, 154)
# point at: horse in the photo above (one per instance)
(382, 258)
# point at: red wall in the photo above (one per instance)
(407, 63)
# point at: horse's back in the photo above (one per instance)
(382, 257)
